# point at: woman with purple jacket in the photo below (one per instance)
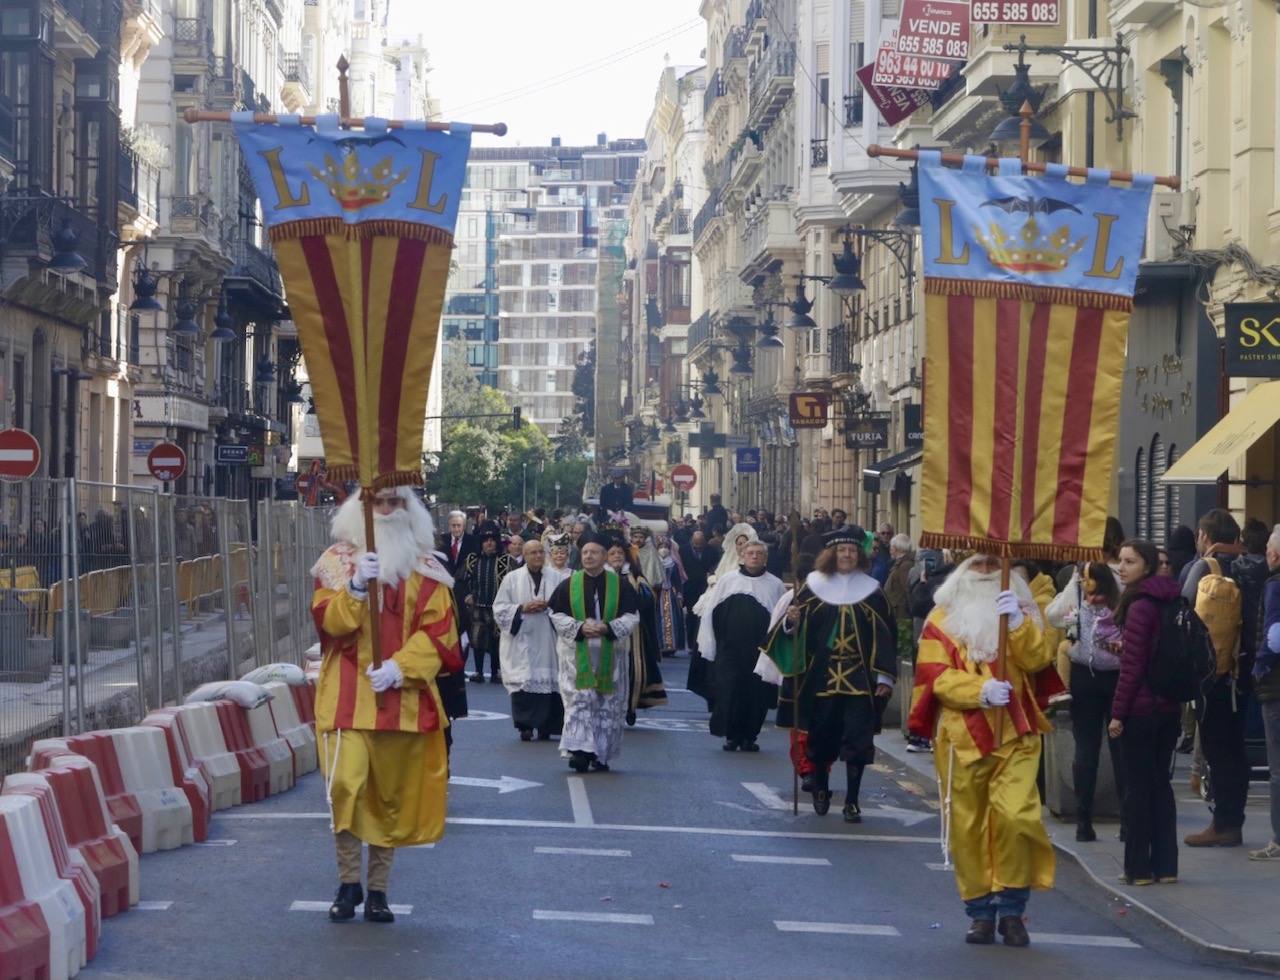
(1146, 724)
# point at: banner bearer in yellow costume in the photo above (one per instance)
(382, 731)
(986, 763)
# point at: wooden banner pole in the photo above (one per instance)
(1031, 166)
(375, 604)
(1002, 654)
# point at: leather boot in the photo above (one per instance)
(1014, 931)
(982, 932)
(376, 908)
(345, 901)
(1211, 836)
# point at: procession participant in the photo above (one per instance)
(739, 536)
(646, 689)
(593, 612)
(459, 543)
(558, 549)
(734, 627)
(616, 497)
(838, 643)
(672, 637)
(654, 571)
(529, 667)
(993, 823)
(514, 548)
(482, 574)
(452, 684)
(382, 730)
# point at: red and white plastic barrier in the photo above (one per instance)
(208, 747)
(90, 832)
(24, 936)
(300, 736)
(144, 765)
(262, 729)
(100, 749)
(304, 700)
(186, 774)
(60, 907)
(255, 769)
(69, 864)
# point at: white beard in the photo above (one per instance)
(969, 600)
(397, 549)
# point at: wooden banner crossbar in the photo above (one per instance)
(201, 115)
(1032, 166)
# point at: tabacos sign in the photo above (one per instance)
(1251, 335)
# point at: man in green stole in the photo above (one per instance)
(593, 612)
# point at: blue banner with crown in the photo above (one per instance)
(1042, 233)
(348, 177)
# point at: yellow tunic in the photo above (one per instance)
(997, 836)
(386, 768)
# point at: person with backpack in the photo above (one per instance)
(1266, 675)
(1219, 601)
(1145, 722)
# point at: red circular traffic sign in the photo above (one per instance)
(166, 461)
(19, 454)
(684, 477)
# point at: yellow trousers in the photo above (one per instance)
(997, 837)
(389, 789)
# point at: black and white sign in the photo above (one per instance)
(912, 426)
(866, 433)
(232, 453)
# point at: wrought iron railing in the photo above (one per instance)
(853, 109)
(680, 221)
(817, 153)
(715, 89)
(777, 62)
(706, 214)
(253, 263)
(700, 331)
(297, 69)
(735, 44)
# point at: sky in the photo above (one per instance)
(551, 67)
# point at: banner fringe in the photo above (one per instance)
(987, 289)
(379, 228)
(1029, 550)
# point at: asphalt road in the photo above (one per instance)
(684, 861)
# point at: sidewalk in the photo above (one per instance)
(1223, 902)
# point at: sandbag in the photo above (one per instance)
(290, 674)
(244, 693)
(314, 653)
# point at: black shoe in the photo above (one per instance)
(545, 736)
(495, 678)
(526, 734)
(806, 783)
(751, 746)
(345, 901)
(1085, 832)
(821, 801)
(376, 908)
(631, 718)
(599, 766)
(852, 813)
(982, 932)
(1014, 931)
(730, 745)
(476, 678)
(579, 761)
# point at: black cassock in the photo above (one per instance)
(741, 699)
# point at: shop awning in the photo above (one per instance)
(873, 476)
(1230, 439)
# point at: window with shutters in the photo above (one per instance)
(1173, 493)
(1159, 492)
(1142, 508)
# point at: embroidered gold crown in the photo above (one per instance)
(1031, 249)
(355, 187)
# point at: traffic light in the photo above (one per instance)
(515, 417)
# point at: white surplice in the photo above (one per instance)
(529, 657)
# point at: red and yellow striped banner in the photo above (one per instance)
(1022, 407)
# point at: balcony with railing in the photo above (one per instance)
(817, 153)
(192, 38)
(771, 238)
(297, 81)
(708, 213)
(248, 262)
(679, 222)
(138, 185)
(853, 108)
(772, 82)
(715, 89)
(700, 333)
(7, 129)
(735, 45)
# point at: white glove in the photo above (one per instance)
(1273, 638)
(366, 571)
(389, 675)
(1007, 605)
(994, 693)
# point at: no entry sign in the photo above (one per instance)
(19, 454)
(684, 477)
(167, 462)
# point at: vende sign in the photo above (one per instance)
(935, 29)
(1016, 12)
(896, 70)
(893, 104)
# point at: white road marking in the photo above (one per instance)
(936, 867)
(779, 859)
(324, 907)
(604, 852)
(216, 843)
(625, 828)
(617, 918)
(503, 784)
(837, 928)
(694, 725)
(908, 818)
(769, 797)
(157, 906)
(1065, 939)
(474, 714)
(582, 815)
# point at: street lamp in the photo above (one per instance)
(848, 278)
(800, 307)
(186, 312)
(66, 260)
(223, 322)
(1013, 98)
